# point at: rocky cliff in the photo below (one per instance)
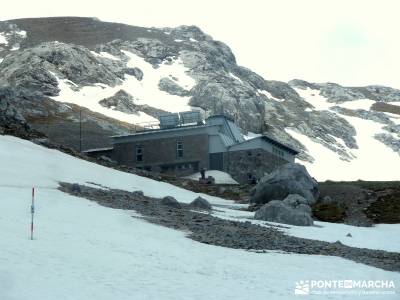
(122, 76)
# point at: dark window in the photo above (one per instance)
(139, 153)
(179, 149)
(278, 152)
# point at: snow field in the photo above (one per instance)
(85, 251)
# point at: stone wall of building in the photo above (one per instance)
(257, 162)
(160, 155)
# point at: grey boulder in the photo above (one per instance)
(298, 202)
(200, 203)
(171, 202)
(280, 212)
(291, 178)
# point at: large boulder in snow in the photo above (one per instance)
(291, 178)
(298, 202)
(171, 202)
(294, 210)
(200, 203)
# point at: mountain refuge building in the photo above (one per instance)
(184, 143)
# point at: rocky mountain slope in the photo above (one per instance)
(120, 76)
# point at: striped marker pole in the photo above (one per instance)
(32, 211)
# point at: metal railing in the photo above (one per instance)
(144, 126)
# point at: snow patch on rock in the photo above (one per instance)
(358, 104)
(235, 77)
(268, 94)
(104, 54)
(147, 90)
(3, 39)
(15, 47)
(367, 163)
(22, 33)
(89, 97)
(313, 97)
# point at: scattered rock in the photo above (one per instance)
(138, 193)
(76, 188)
(349, 235)
(107, 159)
(200, 203)
(170, 201)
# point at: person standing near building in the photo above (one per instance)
(203, 173)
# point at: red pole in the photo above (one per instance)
(32, 211)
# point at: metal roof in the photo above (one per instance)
(235, 131)
(226, 140)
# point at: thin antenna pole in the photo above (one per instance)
(80, 130)
(32, 211)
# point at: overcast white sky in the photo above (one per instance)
(349, 42)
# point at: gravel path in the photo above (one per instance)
(208, 229)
